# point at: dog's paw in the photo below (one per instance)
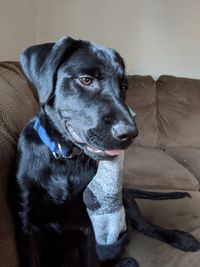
(185, 242)
(127, 262)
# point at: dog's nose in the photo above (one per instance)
(123, 131)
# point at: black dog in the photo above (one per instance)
(83, 118)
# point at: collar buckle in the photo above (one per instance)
(61, 154)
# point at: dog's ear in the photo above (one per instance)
(41, 62)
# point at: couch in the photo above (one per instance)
(164, 157)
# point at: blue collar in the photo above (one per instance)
(55, 148)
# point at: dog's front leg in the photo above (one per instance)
(28, 249)
(87, 249)
(89, 257)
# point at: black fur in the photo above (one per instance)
(52, 225)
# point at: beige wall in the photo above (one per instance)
(154, 36)
(17, 27)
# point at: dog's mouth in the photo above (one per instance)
(100, 152)
(74, 134)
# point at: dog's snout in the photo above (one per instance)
(123, 131)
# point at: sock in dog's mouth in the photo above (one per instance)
(77, 138)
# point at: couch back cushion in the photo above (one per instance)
(141, 97)
(178, 111)
(17, 105)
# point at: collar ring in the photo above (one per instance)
(60, 155)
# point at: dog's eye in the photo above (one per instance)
(86, 80)
(124, 87)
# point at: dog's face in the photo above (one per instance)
(83, 87)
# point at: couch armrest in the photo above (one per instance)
(17, 105)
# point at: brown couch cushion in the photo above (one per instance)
(178, 102)
(188, 157)
(17, 105)
(146, 167)
(141, 97)
(172, 214)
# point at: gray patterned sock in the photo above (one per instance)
(103, 199)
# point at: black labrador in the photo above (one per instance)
(82, 119)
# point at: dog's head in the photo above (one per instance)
(82, 87)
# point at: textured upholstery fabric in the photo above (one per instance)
(17, 106)
(188, 157)
(146, 167)
(178, 111)
(141, 97)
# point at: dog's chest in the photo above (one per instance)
(58, 198)
(69, 177)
